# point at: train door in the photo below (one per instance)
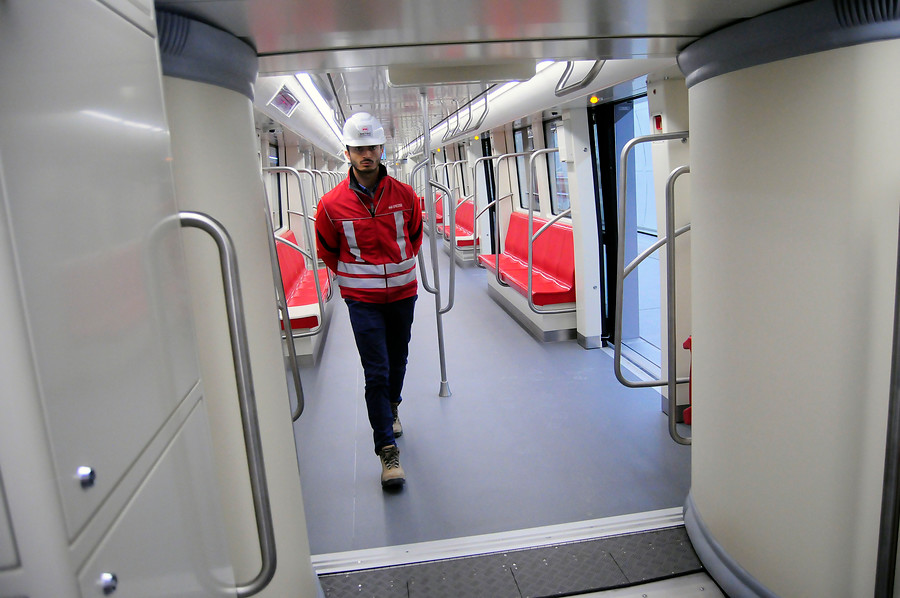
(489, 184)
(108, 471)
(612, 126)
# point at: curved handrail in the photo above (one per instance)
(310, 239)
(323, 176)
(301, 214)
(650, 250)
(585, 81)
(420, 258)
(447, 134)
(281, 301)
(670, 303)
(452, 226)
(480, 120)
(320, 300)
(620, 258)
(531, 236)
(294, 246)
(478, 213)
(240, 349)
(500, 158)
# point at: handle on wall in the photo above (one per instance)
(246, 397)
(621, 270)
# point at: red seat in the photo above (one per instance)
(553, 261)
(465, 225)
(299, 284)
(438, 209)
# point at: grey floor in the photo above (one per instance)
(533, 435)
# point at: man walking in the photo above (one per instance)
(368, 232)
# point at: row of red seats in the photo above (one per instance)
(465, 225)
(553, 261)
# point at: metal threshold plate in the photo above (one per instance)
(622, 552)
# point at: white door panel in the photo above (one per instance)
(183, 554)
(85, 141)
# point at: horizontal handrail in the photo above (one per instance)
(562, 90)
(480, 119)
(493, 203)
(447, 134)
(650, 250)
(307, 216)
(477, 251)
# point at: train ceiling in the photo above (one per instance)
(356, 51)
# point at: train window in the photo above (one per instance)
(275, 192)
(464, 182)
(556, 170)
(612, 126)
(523, 141)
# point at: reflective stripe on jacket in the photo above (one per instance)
(371, 243)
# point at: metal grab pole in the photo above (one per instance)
(670, 303)
(886, 563)
(620, 257)
(429, 205)
(452, 227)
(529, 174)
(497, 220)
(281, 304)
(421, 260)
(281, 299)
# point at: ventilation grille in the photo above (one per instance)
(173, 32)
(853, 13)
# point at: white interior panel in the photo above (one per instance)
(169, 540)
(795, 220)
(102, 274)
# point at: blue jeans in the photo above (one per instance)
(382, 332)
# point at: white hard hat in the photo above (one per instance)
(363, 129)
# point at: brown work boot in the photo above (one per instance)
(398, 428)
(392, 475)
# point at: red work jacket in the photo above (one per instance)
(371, 243)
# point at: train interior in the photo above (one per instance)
(601, 184)
(524, 428)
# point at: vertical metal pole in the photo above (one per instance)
(671, 346)
(886, 562)
(432, 243)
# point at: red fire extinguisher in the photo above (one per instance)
(687, 411)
